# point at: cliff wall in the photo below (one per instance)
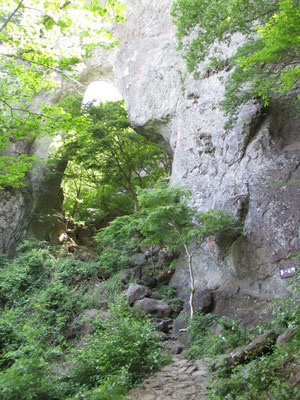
(248, 170)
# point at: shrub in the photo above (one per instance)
(73, 272)
(211, 336)
(25, 274)
(113, 260)
(30, 376)
(121, 354)
(270, 376)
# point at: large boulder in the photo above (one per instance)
(155, 307)
(203, 301)
(136, 292)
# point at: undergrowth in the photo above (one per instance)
(211, 336)
(45, 356)
(274, 375)
(43, 297)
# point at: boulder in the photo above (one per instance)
(130, 274)
(203, 301)
(156, 307)
(139, 259)
(165, 325)
(136, 292)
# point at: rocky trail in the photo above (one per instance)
(180, 380)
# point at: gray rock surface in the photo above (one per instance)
(181, 380)
(249, 169)
(130, 274)
(203, 301)
(136, 292)
(155, 307)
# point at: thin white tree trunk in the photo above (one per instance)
(192, 281)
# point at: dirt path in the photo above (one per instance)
(180, 380)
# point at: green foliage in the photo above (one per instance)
(30, 376)
(270, 376)
(41, 41)
(107, 162)
(37, 359)
(121, 354)
(25, 275)
(112, 288)
(165, 219)
(168, 295)
(268, 63)
(211, 336)
(121, 235)
(114, 260)
(286, 311)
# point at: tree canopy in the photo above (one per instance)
(41, 41)
(107, 162)
(267, 63)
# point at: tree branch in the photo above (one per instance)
(20, 5)
(45, 66)
(12, 109)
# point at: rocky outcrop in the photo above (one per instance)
(34, 210)
(252, 169)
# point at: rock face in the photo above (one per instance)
(246, 170)
(34, 210)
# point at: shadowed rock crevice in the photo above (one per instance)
(152, 131)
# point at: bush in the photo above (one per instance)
(125, 351)
(113, 260)
(211, 336)
(270, 376)
(25, 274)
(73, 272)
(30, 376)
(54, 308)
(286, 311)
(44, 295)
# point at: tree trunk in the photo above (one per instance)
(192, 281)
